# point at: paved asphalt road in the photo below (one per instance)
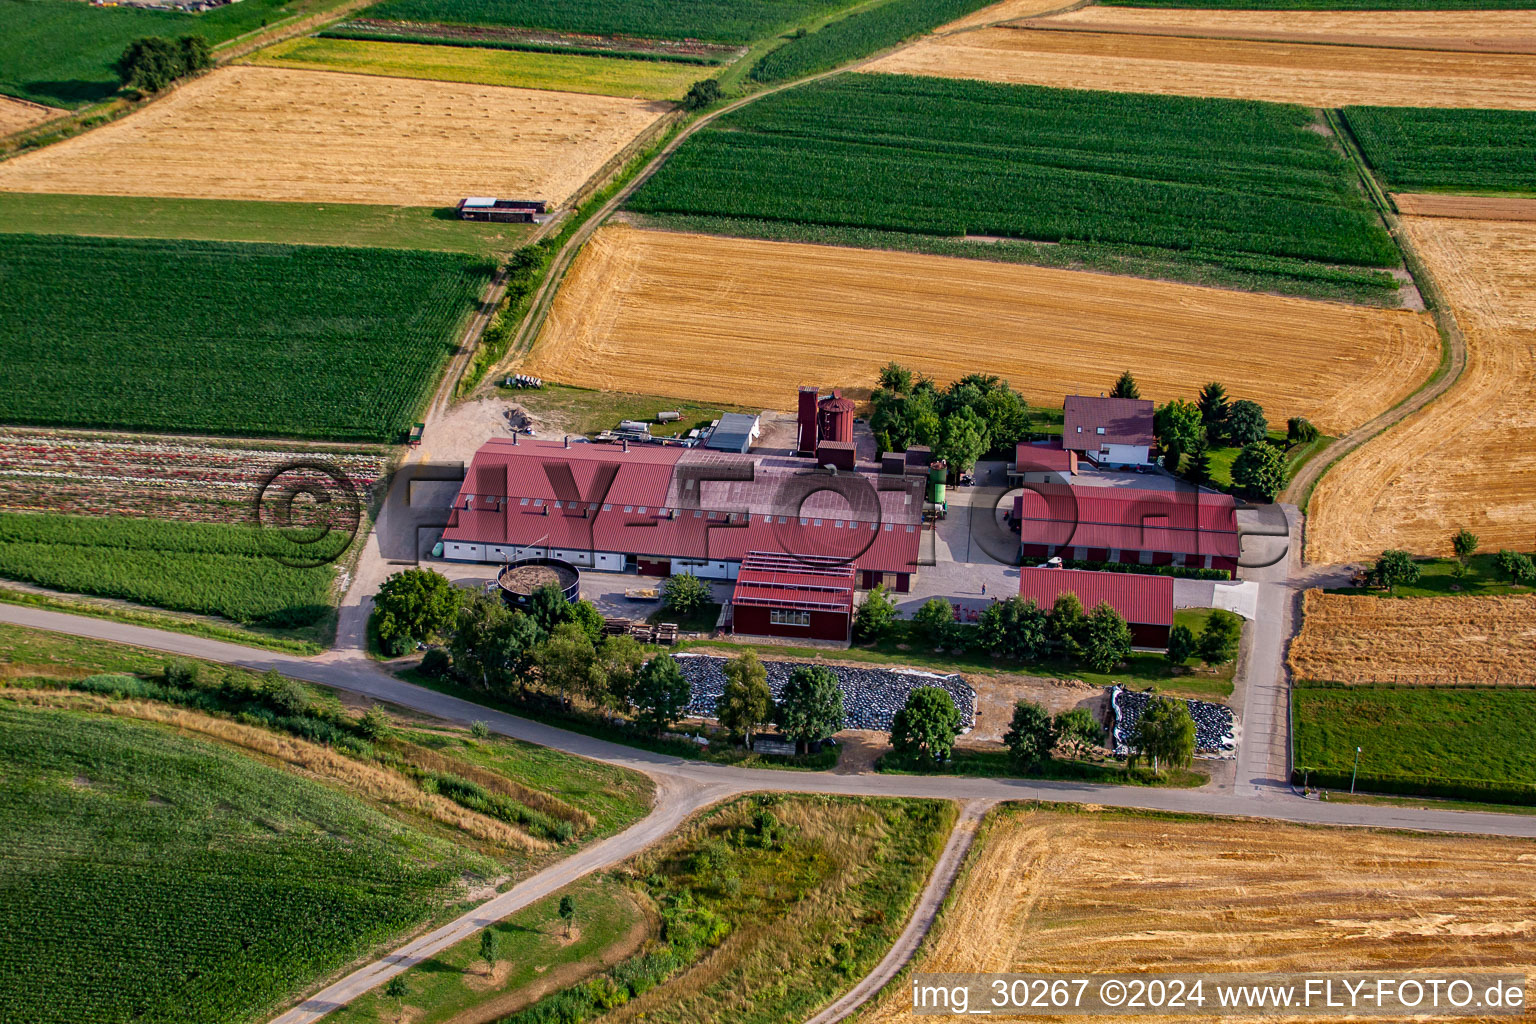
(684, 786)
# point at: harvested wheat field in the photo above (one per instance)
(1318, 76)
(1008, 10)
(1434, 204)
(743, 321)
(1101, 892)
(18, 114)
(1476, 31)
(1468, 459)
(272, 133)
(1353, 638)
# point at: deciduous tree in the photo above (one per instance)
(414, 605)
(1246, 423)
(1030, 737)
(1106, 639)
(490, 948)
(660, 693)
(923, 731)
(1165, 732)
(684, 593)
(568, 662)
(1077, 731)
(810, 706)
(875, 616)
(746, 704)
(1395, 567)
(931, 622)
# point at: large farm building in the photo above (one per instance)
(1193, 528)
(660, 510)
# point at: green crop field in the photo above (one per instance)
(208, 568)
(235, 220)
(862, 33)
(224, 338)
(1415, 149)
(154, 877)
(1443, 741)
(716, 21)
(60, 52)
(645, 79)
(1219, 179)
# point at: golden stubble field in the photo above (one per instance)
(1103, 892)
(1468, 459)
(315, 136)
(744, 322)
(1319, 76)
(1476, 31)
(1351, 638)
(1435, 204)
(18, 114)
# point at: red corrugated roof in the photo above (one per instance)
(601, 498)
(1142, 600)
(1179, 522)
(1125, 421)
(777, 581)
(1044, 455)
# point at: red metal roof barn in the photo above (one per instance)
(780, 595)
(1144, 602)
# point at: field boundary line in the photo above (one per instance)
(1453, 342)
(1012, 22)
(925, 911)
(1022, 25)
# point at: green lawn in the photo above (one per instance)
(642, 79)
(60, 52)
(225, 337)
(1437, 578)
(700, 620)
(161, 877)
(233, 220)
(1443, 741)
(531, 944)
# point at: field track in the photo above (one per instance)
(1469, 458)
(270, 133)
(1474, 31)
(1348, 638)
(1434, 204)
(1102, 893)
(679, 314)
(1320, 76)
(18, 114)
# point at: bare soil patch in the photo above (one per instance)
(743, 321)
(1319, 76)
(1474, 31)
(18, 114)
(1430, 204)
(1096, 892)
(1350, 638)
(251, 132)
(1467, 459)
(996, 696)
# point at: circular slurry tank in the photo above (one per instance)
(518, 580)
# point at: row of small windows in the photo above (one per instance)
(699, 514)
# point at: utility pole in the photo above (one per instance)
(1354, 774)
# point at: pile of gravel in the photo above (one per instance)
(871, 696)
(1213, 722)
